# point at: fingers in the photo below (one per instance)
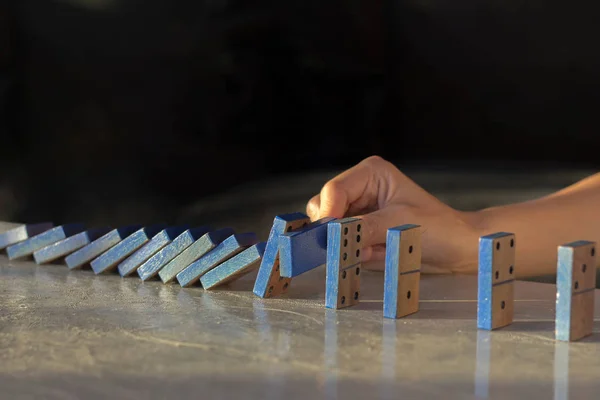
(373, 253)
(357, 188)
(375, 225)
(374, 258)
(312, 207)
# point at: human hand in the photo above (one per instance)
(376, 191)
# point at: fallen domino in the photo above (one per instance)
(87, 253)
(234, 268)
(67, 246)
(221, 253)
(158, 241)
(196, 250)
(269, 282)
(23, 232)
(150, 268)
(110, 259)
(53, 235)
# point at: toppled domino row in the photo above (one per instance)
(295, 246)
(182, 253)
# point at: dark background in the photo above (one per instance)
(120, 110)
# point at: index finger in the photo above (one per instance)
(358, 187)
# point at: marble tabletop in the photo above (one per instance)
(74, 335)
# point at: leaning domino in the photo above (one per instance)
(269, 282)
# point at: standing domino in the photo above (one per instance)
(495, 302)
(575, 287)
(402, 271)
(343, 263)
(269, 282)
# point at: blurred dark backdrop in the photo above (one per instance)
(129, 109)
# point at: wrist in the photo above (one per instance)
(471, 226)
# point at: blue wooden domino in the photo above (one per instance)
(23, 232)
(221, 253)
(305, 249)
(269, 282)
(110, 259)
(402, 271)
(496, 277)
(53, 235)
(87, 253)
(575, 290)
(150, 268)
(234, 268)
(196, 250)
(342, 282)
(140, 256)
(67, 246)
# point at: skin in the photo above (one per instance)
(376, 191)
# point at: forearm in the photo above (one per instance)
(543, 224)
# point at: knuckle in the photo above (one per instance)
(374, 161)
(333, 186)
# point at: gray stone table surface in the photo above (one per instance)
(73, 335)
(70, 334)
